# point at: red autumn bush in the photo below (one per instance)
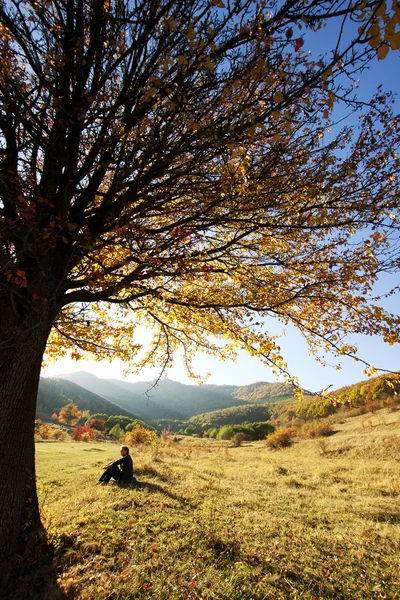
(84, 433)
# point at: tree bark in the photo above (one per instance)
(21, 532)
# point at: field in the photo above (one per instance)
(318, 520)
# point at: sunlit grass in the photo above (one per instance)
(318, 520)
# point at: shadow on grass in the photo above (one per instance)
(149, 471)
(38, 581)
(154, 488)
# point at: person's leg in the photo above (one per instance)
(112, 471)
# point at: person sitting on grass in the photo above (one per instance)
(123, 474)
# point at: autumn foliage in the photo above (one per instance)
(98, 424)
(139, 435)
(84, 433)
(187, 170)
(282, 438)
(69, 414)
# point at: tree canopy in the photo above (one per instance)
(170, 163)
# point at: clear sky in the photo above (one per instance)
(312, 375)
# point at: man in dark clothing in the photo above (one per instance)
(123, 474)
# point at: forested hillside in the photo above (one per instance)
(364, 396)
(264, 392)
(172, 400)
(234, 416)
(55, 393)
(177, 405)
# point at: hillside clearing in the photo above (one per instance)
(318, 520)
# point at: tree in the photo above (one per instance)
(69, 414)
(119, 420)
(98, 424)
(164, 163)
(84, 433)
(116, 432)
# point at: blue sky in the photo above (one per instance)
(312, 376)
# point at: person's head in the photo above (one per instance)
(124, 450)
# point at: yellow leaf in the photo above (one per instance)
(374, 31)
(395, 41)
(390, 28)
(375, 41)
(380, 11)
(278, 97)
(382, 51)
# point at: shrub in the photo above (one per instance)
(261, 430)
(392, 404)
(84, 433)
(238, 439)
(226, 432)
(139, 435)
(280, 439)
(49, 432)
(45, 431)
(58, 434)
(116, 432)
(167, 437)
(120, 420)
(98, 424)
(321, 430)
(193, 430)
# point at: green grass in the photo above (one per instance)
(318, 520)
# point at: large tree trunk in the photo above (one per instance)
(22, 344)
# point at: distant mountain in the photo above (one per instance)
(262, 391)
(55, 393)
(167, 400)
(226, 389)
(172, 400)
(174, 404)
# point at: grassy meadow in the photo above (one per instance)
(318, 520)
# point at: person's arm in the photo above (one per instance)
(119, 461)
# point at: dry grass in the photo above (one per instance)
(318, 520)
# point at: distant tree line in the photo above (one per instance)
(83, 426)
(251, 431)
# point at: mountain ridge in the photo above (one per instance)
(168, 399)
(56, 392)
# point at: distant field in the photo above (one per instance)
(319, 520)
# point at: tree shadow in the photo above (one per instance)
(33, 580)
(153, 488)
(149, 471)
